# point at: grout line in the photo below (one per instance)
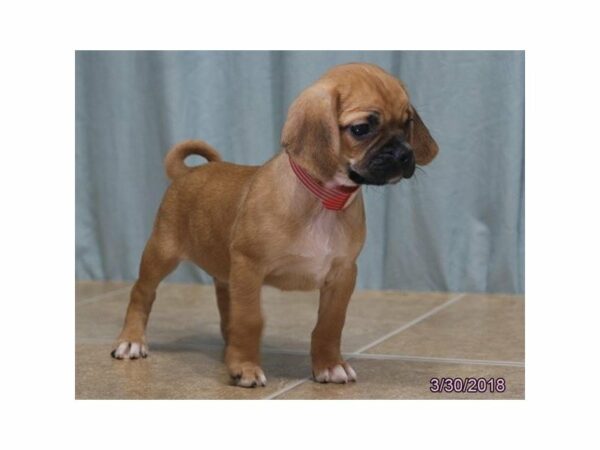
(95, 298)
(374, 343)
(410, 324)
(286, 388)
(436, 359)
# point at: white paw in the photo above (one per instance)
(253, 380)
(341, 373)
(130, 350)
(248, 375)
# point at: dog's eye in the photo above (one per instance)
(363, 129)
(360, 130)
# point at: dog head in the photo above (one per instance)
(356, 125)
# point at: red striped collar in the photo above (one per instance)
(334, 198)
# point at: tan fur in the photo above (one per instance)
(248, 226)
(174, 165)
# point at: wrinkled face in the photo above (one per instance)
(356, 126)
(374, 117)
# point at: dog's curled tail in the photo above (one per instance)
(174, 161)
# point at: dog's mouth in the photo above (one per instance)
(360, 179)
(387, 166)
(380, 177)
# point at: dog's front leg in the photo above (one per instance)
(244, 329)
(327, 363)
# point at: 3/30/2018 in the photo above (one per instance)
(467, 385)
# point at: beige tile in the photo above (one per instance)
(84, 290)
(173, 372)
(385, 379)
(484, 327)
(186, 313)
(186, 345)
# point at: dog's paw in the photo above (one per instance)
(247, 375)
(130, 350)
(340, 373)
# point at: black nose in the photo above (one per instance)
(404, 156)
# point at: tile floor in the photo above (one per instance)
(397, 343)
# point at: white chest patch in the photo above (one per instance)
(310, 254)
(319, 240)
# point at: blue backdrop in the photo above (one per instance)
(458, 226)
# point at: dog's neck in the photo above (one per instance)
(334, 197)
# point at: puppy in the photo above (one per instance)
(297, 222)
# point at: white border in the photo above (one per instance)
(38, 39)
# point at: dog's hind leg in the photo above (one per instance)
(158, 260)
(222, 290)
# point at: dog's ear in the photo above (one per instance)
(420, 139)
(311, 132)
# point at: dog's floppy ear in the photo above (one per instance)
(424, 146)
(311, 132)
